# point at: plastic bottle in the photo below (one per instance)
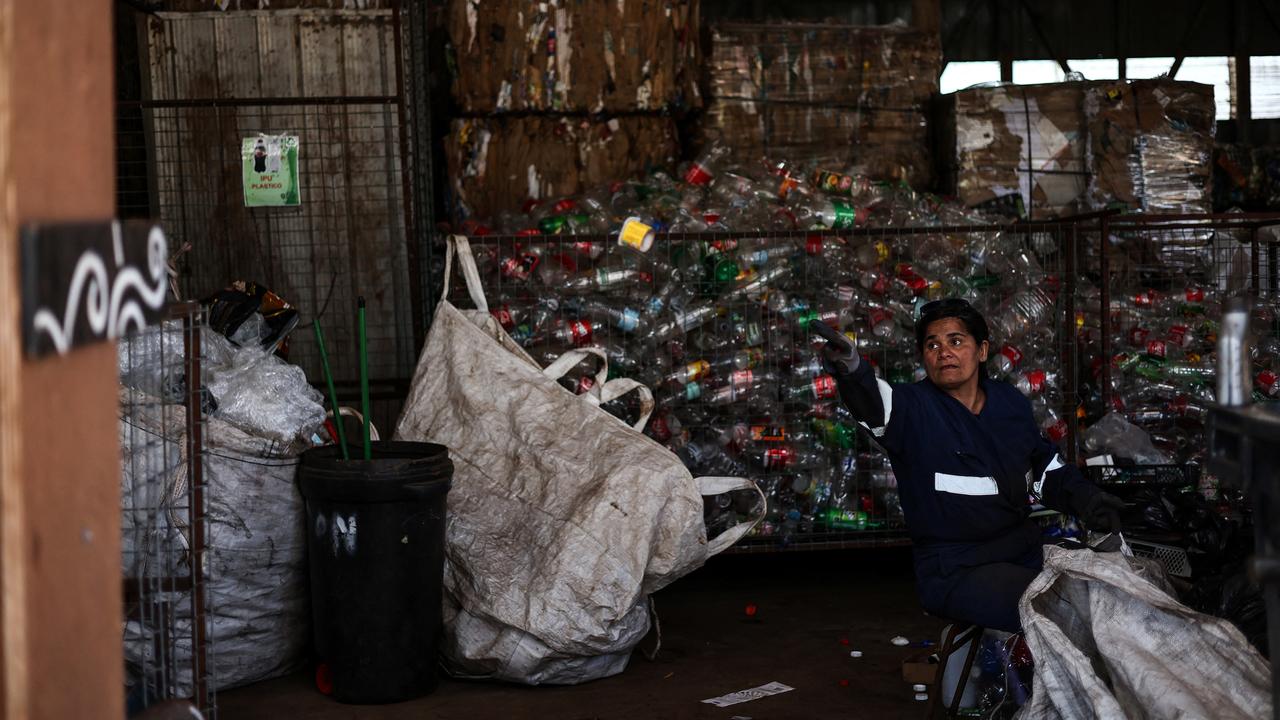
(819, 388)
(822, 212)
(703, 170)
(626, 319)
(1006, 361)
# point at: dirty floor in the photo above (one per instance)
(807, 605)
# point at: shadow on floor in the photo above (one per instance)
(808, 604)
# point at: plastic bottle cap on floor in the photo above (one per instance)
(855, 653)
(922, 696)
(900, 641)
(920, 688)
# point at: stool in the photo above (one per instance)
(954, 637)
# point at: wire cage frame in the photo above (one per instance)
(164, 504)
(333, 78)
(515, 275)
(1147, 329)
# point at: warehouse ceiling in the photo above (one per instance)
(1034, 29)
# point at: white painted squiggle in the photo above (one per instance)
(106, 309)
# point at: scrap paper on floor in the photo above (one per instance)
(748, 695)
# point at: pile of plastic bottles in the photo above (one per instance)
(1163, 362)
(713, 316)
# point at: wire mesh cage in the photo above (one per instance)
(167, 640)
(207, 82)
(1152, 291)
(717, 325)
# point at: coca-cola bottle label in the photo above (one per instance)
(579, 332)
(1146, 299)
(813, 244)
(1057, 431)
(1036, 379)
(1194, 294)
(877, 316)
(1267, 381)
(1013, 353)
(1157, 348)
(503, 316)
(777, 457)
(585, 384)
(824, 387)
(1178, 334)
(741, 379)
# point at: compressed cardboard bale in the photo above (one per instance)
(1151, 145)
(496, 164)
(881, 66)
(883, 144)
(561, 56)
(843, 96)
(1010, 144)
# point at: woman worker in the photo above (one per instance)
(966, 451)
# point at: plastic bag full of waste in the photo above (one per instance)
(1115, 435)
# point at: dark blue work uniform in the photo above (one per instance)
(964, 480)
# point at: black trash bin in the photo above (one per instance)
(375, 543)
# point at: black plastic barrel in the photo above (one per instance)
(375, 541)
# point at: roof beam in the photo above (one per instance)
(1044, 39)
(1192, 24)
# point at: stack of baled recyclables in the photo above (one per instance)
(848, 97)
(557, 96)
(1045, 151)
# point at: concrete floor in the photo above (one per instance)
(808, 604)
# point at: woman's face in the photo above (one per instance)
(951, 355)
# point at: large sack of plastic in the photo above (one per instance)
(262, 413)
(562, 518)
(1109, 643)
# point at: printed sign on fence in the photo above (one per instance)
(270, 165)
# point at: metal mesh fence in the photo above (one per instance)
(716, 324)
(346, 239)
(168, 645)
(1151, 295)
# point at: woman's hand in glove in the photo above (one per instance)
(1102, 513)
(839, 360)
(839, 355)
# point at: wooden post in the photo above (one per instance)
(59, 458)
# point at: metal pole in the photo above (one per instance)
(196, 514)
(1254, 261)
(1104, 312)
(1070, 346)
(406, 189)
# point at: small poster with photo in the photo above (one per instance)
(270, 169)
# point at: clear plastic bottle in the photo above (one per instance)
(626, 319)
(703, 170)
(819, 388)
(823, 212)
(1005, 362)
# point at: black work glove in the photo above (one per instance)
(838, 361)
(1102, 513)
(839, 355)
